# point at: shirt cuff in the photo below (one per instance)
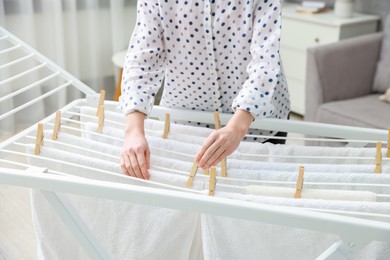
(254, 108)
(133, 101)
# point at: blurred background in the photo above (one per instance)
(80, 36)
(83, 35)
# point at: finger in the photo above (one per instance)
(128, 167)
(123, 166)
(207, 154)
(214, 157)
(147, 155)
(220, 158)
(206, 145)
(142, 165)
(135, 166)
(204, 161)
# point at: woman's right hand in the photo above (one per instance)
(135, 155)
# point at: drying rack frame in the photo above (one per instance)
(350, 229)
(354, 233)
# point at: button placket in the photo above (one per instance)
(208, 32)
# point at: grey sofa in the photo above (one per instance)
(339, 83)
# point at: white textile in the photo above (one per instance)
(277, 152)
(321, 194)
(119, 230)
(172, 165)
(228, 238)
(264, 240)
(125, 230)
(197, 135)
(234, 161)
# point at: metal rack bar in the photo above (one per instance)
(16, 61)
(10, 49)
(37, 99)
(17, 76)
(24, 89)
(50, 64)
(350, 229)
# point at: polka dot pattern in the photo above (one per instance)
(212, 56)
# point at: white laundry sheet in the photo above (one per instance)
(264, 241)
(186, 152)
(239, 176)
(125, 230)
(310, 193)
(131, 231)
(153, 127)
(228, 238)
(150, 124)
(197, 135)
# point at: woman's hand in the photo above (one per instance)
(135, 155)
(223, 142)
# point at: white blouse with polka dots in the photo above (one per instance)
(212, 56)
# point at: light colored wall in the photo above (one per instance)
(380, 7)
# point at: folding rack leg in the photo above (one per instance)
(337, 251)
(343, 249)
(74, 223)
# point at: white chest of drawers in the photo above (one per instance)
(300, 31)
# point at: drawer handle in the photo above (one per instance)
(317, 40)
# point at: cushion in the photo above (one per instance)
(382, 75)
(365, 111)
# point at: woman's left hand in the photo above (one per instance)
(223, 142)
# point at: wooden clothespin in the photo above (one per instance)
(213, 181)
(206, 171)
(217, 121)
(101, 120)
(101, 101)
(57, 125)
(388, 143)
(191, 178)
(224, 168)
(299, 186)
(378, 158)
(39, 140)
(167, 125)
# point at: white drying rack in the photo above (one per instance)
(354, 233)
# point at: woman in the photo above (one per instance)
(213, 56)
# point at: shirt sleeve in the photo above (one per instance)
(145, 60)
(264, 70)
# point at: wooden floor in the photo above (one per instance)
(17, 237)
